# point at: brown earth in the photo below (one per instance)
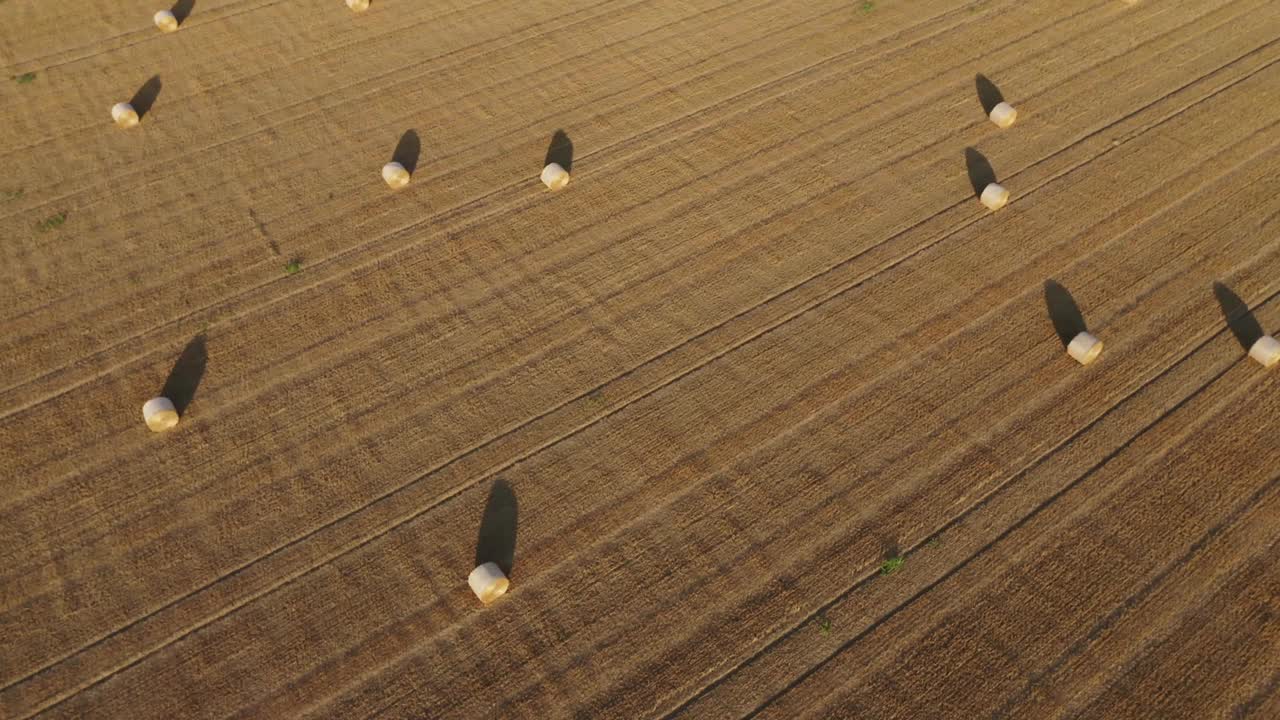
(765, 340)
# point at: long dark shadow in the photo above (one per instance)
(988, 94)
(1067, 319)
(497, 540)
(182, 10)
(180, 387)
(146, 96)
(1238, 316)
(981, 174)
(560, 151)
(408, 150)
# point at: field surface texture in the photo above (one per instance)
(764, 414)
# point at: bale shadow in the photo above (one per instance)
(497, 539)
(560, 151)
(1067, 319)
(146, 96)
(184, 378)
(182, 10)
(408, 150)
(1238, 316)
(988, 94)
(981, 174)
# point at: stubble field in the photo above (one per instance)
(765, 341)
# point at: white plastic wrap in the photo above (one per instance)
(994, 196)
(159, 414)
(1266, 350)
(166, 21)
(554, 176)
(395, 175)
(488, 582)
(1085, 348)
(1003, 115)
(124, 115)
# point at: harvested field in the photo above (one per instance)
(764, 414)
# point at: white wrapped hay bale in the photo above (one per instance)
(994, 196)
(1003, 115)
(124, 115)
(166, 21)
(395, 174)
(159, 414)
(358, 5)
(1085, 348)
(488, 582)
(554, 176)
(1266, 350)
